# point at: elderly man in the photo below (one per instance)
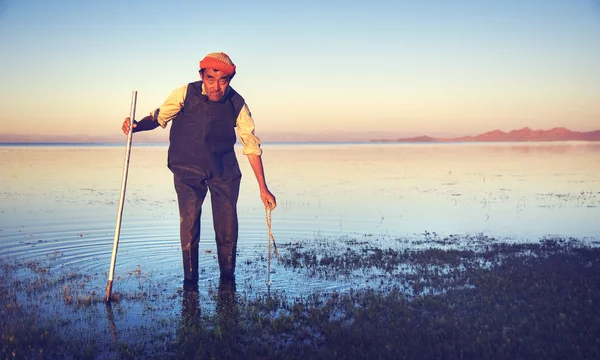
(202, 158)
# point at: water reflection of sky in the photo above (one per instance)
(502, 189)
(65, 198)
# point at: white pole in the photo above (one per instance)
(113, 259)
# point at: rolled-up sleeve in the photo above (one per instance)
(171, 107)
(245, 129)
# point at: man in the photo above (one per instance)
(202, 158)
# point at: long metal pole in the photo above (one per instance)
(113, 259)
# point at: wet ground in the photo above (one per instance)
(454, 297)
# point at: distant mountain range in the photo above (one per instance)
(524, 134)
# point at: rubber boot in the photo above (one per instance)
(191, 191)
(226, 255)
(190, 265)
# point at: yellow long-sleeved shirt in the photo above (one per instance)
(244, 122)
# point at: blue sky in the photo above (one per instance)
(336, 67)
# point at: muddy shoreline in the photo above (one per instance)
(452, 298)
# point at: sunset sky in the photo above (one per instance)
(68, 68)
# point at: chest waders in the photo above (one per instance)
(202, 158)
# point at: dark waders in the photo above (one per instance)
(191, 192)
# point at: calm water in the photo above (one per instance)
(61, 201)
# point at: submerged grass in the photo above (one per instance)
(488, 300)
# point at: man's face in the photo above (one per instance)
(215, 83)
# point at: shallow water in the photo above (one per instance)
(60, 202)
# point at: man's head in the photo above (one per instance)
(216, 71)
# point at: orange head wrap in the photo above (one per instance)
(218, 61)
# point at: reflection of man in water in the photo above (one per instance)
(227, 309)
(190, 331)
(221, 330)
(190, 306)
(201, 157)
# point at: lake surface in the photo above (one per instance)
(61, 202)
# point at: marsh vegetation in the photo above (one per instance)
(460, 297)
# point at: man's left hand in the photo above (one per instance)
(268, 199)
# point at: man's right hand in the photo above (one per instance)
(127, 125)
